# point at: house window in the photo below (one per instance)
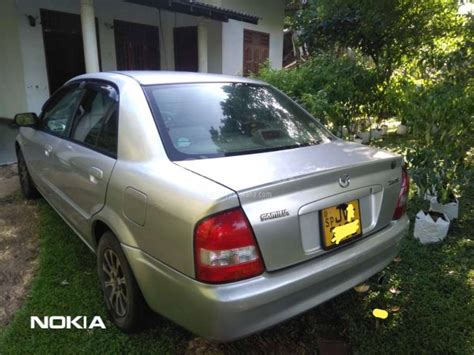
(137, 46)
(256, 49)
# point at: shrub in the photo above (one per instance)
(433, 93)
(336, 90)
(442, 120)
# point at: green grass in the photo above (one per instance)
(435, 300)
(63, 257)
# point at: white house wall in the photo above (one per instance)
(32, 46)
(12, 89)
(272, 13)
(26, 78)
(214, 47)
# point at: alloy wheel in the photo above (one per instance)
(115, 283)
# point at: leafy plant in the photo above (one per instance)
(413, 59)
(387, 31)
(435, 174)
(337, 90)
(442, 118)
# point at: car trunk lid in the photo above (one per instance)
(284, 192)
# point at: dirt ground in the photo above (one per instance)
(19, 245)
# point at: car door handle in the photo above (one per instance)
(95, 174)
(48, 150)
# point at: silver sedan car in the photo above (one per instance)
(215, 200)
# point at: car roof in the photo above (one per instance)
(170, 77)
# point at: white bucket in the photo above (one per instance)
(376, 133)
(450, 209)
(428, 231)
(402, 130)
(365, 136)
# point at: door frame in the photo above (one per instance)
(44, 31)
(177, 29)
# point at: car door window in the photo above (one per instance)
(96, 123)
(107, 140)
(58, 114)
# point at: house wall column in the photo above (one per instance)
(202, 47)
(89, 36)
(12, 84)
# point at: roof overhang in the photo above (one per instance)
(196, 8)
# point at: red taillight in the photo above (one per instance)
(225, 248)
(403, 196)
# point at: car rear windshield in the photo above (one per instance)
(206, 120)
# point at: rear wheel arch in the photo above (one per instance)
(98, 229)
(107, 219)
(101, 227)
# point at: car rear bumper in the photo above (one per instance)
(230, 311)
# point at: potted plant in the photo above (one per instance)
(402, 128)
(364, 137)
(364, 132)
(377, 133)
(439, 172)
(450, 177)
(357, 140)
(430, 226)
(342, 132)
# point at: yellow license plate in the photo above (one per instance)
(340, 223)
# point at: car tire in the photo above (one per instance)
(28, 188)
(123, 298)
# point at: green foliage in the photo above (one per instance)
(395, 34)
(434, 94)
(434, 172)
(388, 31)
(333, 89)
(442, 119)
(421, 57)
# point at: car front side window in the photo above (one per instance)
(58, 114)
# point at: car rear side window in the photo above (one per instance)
(96, 121)
(206, 120)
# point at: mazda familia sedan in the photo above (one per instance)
(216, 201)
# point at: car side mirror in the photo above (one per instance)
(26, 119)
